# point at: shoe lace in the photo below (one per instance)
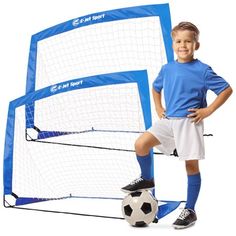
(136, 181)
(184, 214)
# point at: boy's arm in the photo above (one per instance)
(199, 114)
(158, 104)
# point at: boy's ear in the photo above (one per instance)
(197, 46)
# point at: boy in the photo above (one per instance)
(185, 83)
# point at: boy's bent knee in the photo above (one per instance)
(141, 148)
(144, 144)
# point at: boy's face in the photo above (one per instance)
(184, 45)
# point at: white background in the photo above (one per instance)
(216, 205)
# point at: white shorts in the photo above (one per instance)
(182, 134)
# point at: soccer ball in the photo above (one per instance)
(139, 208)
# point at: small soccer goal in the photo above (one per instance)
(69, 142)
(134, 38)
(81, 142)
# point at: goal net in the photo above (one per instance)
(135, 38)
(81, 145)
(87, 100)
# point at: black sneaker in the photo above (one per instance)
(139, 184)
(186, 219)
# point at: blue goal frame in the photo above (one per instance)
(138, 77)
(161, 10)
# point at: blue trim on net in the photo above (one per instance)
(50, 134)
(167, 208)
(138, 77)
(29, 200)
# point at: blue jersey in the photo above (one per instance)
(185, 86)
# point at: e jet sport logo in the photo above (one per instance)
(86, 19)
(68, 85)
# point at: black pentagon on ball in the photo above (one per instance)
(136, 194)
(128, 210)
(146, 207)
(140, 224)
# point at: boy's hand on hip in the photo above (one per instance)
(161, 112)
(198, 114)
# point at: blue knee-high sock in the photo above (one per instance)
(194, 185)
(146, 166)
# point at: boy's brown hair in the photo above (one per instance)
(185, 25)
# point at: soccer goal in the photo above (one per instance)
(71, 137)
(134, 38)
(81, 145)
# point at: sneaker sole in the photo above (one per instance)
(183, 226)
(128, 191)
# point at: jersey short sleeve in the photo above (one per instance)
(214, 82)
(158, 82)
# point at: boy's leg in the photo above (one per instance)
(194, 183)
(143, 145)
(188, 216)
